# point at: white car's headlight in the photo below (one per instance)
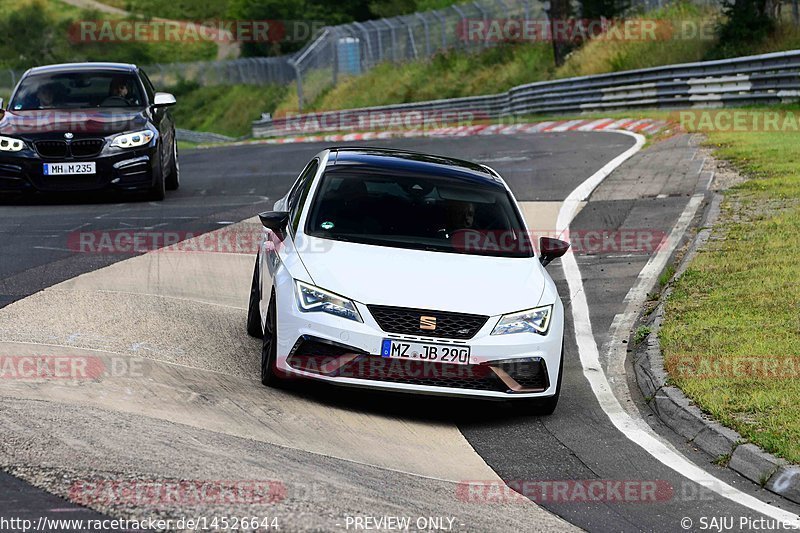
(132, 140)
(313, 299)
(531, 321)
(10, 144)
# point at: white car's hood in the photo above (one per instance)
(424, 280)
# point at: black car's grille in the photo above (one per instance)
(86, 147)
(51, 148)
(409, 321)
(61, 149)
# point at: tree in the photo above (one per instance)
(746, 22)
(559, 13)
(610, 9)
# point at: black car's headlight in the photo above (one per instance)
(10, 144)
(531, 321)
(313, 299)
(132, 140)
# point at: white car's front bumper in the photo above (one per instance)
(354, 356)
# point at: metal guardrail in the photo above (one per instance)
(201, 136)
(761, 79)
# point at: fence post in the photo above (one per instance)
(485, 16)
(443, 20)
(463, 22)
(795, 13)
(365, 35)
(394, 38)
(299, 79)
(380, 39)
(427, 34)
(335, 49)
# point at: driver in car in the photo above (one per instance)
(460, 215)
(46, 96)
(118, 92)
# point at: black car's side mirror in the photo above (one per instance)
(275, 221)
(551, 248)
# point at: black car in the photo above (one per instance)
(88, 127)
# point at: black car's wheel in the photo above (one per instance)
(254, 328)
(546, 406)
(173, 180)
(158, 191)
(269, 351)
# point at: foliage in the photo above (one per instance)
(746, 23)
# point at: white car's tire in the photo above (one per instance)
(270, 375)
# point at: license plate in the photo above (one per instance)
(439, 353)
(63, 169)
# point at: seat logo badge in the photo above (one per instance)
(68, 135)
(427, 322)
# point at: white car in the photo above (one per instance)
(407, 272)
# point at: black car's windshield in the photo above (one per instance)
(419, 212)
(77, 90)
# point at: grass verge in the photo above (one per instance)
(731, 335)
(229, 110)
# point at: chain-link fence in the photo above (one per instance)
(251, 71)
(351, 49)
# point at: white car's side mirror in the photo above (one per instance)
(164, 100)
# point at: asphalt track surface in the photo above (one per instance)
(226, 185)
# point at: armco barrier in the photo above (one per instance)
(201, 136)
(762, 79)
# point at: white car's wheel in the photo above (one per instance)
(269, 350)
(254, 328)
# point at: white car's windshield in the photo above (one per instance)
(419, 212)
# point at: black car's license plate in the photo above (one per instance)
(66, 169)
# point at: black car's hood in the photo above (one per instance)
(93, 121)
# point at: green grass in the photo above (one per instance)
(228, 110)
(641, 334)
(740, 298)
(448, 75)
(665, 276)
